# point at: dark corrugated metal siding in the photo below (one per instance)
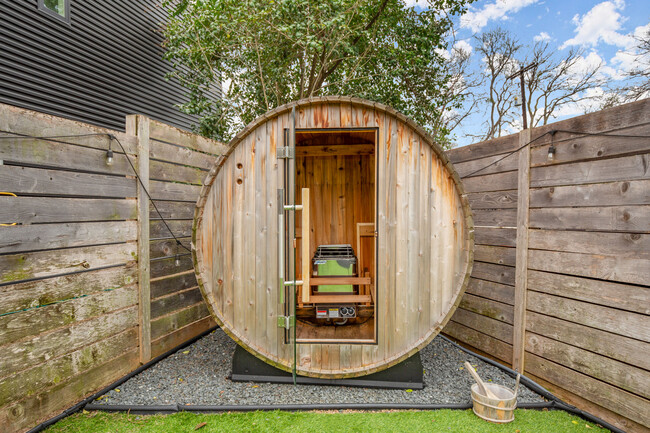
(105, 64)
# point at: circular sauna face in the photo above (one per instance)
(336, 230)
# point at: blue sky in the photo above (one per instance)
(603, 29)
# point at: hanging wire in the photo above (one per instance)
(111, 137)
(178, 243)
(552, 133)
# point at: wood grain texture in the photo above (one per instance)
(231, 276)
(622, 193)
(613, 398)
(42, 264)
(624, 323)
(33, 294)
(25, 413)
(43, 347)
(627, 377)
(625, 168)
(587, 307)
(31, 381)
(140, 126)
(30, 210)
(177, 153)
(624, 349)
(24, 325)
(170, 134)
(521, 265)
(37, 181)
(63, 154)
(37, 124)
(611, 218)
(67, 235)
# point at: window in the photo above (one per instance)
(59, 9)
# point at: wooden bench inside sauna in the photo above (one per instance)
(333, 239)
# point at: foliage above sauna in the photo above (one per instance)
(268, 53)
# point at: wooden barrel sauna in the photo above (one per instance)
(333, 238)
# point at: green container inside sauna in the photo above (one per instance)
(334, 261)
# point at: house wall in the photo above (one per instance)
(105, 64)
(88, 282)
(560, 286)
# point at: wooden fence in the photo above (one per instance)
(560, 287)
(71, 320)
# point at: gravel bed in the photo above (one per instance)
(199, 374)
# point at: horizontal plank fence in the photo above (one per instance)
(561, 283)
(93, 283)
(71, 268)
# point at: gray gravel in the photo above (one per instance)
(199, 373)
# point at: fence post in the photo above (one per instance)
(521, 267)
(139, 126)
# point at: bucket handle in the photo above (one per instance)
(517, 384)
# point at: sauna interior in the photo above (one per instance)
(338, 168)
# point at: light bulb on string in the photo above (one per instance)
(109, 155)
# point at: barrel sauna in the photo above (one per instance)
(333, 238)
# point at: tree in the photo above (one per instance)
(556, 81)
(498, 48)
(638, 78)
(559, 79)
(268, 53)
(458, 99)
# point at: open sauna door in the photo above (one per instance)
(336, 239)
(288, 284)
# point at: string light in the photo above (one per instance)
(109, 154)
(551, 153)
(551, 149)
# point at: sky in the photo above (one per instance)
(603, 29)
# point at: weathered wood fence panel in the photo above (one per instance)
(178, 162)
(71, 320)
(584, 331)
(68, 317)
(485, 316)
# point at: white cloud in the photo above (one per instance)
(601, 23)
(463, 45)
(632, 59)
(591, 61)
(542, 37)
(477, 19)
(443, 53)
(594, 97)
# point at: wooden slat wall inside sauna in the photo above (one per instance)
(68, 317)
(178, 164)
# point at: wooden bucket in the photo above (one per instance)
(499, 410)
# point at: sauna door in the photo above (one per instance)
(287, 234)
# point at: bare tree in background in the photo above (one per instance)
(460, 95)
(638, 83)
(497, 49)
(556, 81)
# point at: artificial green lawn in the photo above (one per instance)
(449, 421)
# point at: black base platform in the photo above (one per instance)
(405, 375)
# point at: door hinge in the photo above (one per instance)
(286, 321)
(285, 152)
